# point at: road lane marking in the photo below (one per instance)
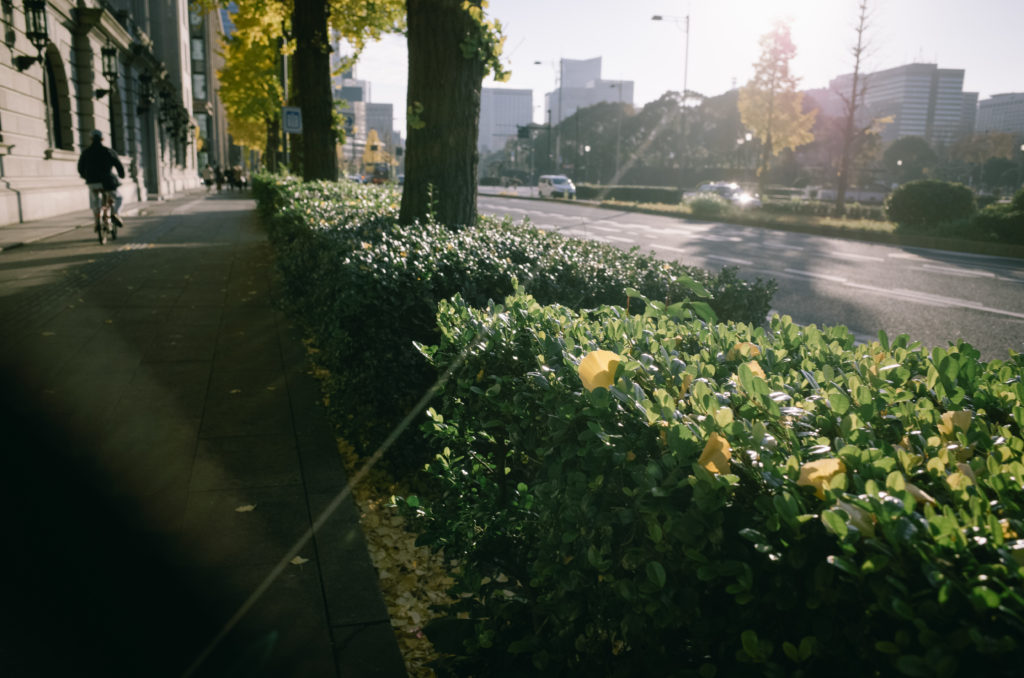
(781, 246)
(962, 272)
(855, 256)
(816, 276)
(619, 239)
(731, 260)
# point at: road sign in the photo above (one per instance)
(292, 116)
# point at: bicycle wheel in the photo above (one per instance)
(104, 232)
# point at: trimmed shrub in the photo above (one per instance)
(367, 289)
(922, 205)
(668, 195)
(648, 496)
(1001, 222)
(708, 206)
(1017, 203)
(819, 208)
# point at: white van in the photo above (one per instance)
(555, 186)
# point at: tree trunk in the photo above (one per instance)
(441, 155)
(312, 80)
(272, 143)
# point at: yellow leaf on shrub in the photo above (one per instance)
(597, 369)
(716, 455)
(951, 421)
(743, 349)
(687, 380)
(817, 474)
(967, 471)
(755, 369)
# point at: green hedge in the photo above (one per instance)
(368, 288)
(1000, 222)
(667, 195)
(709, 206)
(825, 209)
(733, 502)
(923, 205)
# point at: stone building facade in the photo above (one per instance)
(71, 66)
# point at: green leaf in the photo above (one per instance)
(656, 573)
(835, 523)
(986, 596)
(705, 312)
(839, 401)
(694, 286)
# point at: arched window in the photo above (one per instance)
(58, 100)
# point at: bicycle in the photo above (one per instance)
(106, 229)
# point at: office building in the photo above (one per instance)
(581, 86)
(923, 100)
(1001, 113)
(502, 111)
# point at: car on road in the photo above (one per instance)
(556, 186)
(729, 190)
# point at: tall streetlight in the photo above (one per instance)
(558, 134)
(618, 126)
(686, 64)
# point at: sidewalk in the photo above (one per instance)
(163, 449)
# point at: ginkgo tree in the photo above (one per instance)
(250, 85)
(770, 105)
(452, 46)
(265, 33)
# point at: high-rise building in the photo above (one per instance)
(502, 111)
(581, 86)
(1001, 113)
(923, 100)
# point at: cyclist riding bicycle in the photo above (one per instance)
(96, 165)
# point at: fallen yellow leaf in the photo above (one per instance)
(743, 349)
(716, 455)
(245, 508)
(298, 560)
(597, 369)
(817, 474)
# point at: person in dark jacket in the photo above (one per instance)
(96, 166)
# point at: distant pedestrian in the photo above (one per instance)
(208, 177)
(218, 177)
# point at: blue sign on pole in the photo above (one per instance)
(292, 116)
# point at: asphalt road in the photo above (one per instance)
(934, 296)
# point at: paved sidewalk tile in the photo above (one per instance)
(164, 447)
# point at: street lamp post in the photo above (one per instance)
(618, 127)
(686, 67)
(558, 134)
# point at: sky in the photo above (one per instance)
(985, 38)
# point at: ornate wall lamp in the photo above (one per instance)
(35, 31)
(108, 57)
